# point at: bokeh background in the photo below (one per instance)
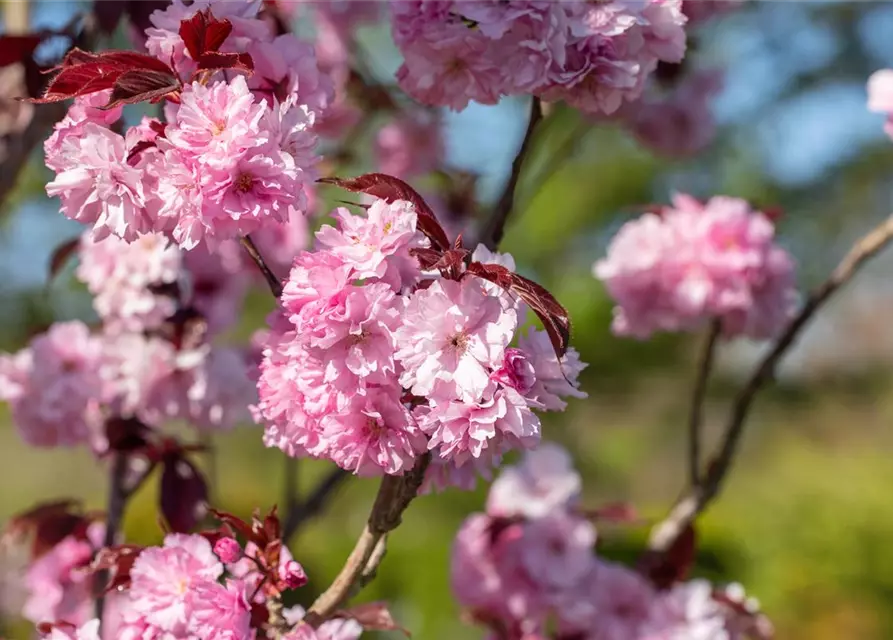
(806, 520)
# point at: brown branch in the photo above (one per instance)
(701, 496)
(394, 495)
(274, 283)
(495, 228)
(314, 504)
(705, 365)
(117, 501)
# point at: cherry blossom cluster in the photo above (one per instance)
(207, 586)
(529, 564)
(880, 96)
(594, 56)
(152, 357)
(371, 361)
(236, 153)
(686, 265)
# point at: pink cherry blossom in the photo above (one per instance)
(97, 187)
(286, 66)
(460, 430)
(880, 96)
(553, 379)
(332, 629)
(594, 56)
(375, 434)
(688, 610)
(373, 244)
(55, 387)
(84, 110)
(516, 371)
(545, 481)
(220, 611)
(409, 146)
(163, 578)
(228, 550)
(696, 262)
(57, 584)
(121, 276)
(453, 335)
(556, 552)
(217, 283)
(678, 124)
(87, 631)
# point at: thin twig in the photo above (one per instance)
(495, 227)
(699, 497)
(705, 365)
(394, 495)
(117, 500)
(314, 503)
(274, 283)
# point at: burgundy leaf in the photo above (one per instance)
(47, 525)
(389, 188)
(215, 61)
(142, 86)
(553, 316)
(82, 73)
(126, 434)
(272, 528)
(15, 49)
(240, 526)
(183, 493)
(666, 568)
(373, 616)
(119, 560)
(203, 33)
(61, 255)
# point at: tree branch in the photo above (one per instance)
(313, 505)
(705, 365)
(394, 495)
(701, 496)
(274, 283)
(117, 500)
(495, 228)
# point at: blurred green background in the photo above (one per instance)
(806, 520)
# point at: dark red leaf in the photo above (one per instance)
(240, 526)
(61, 255)
(126, 434)
(183, 493)
(666, 568)
(47, 525)
(132, 87)
(553, 316)
(272, 528)
(82, 73)
(215, 61)
(119, 561)
(373, 616)
(389, 188)
(203, 33)
(15, 49)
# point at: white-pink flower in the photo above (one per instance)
(55, 387)
(553, 379)
(87, 631)
(220, 611)
(97, 187)
(375, 434)
(164, 577)
(543, 482)
(698, 262)
(880, 96)
(127, 279)
(453, 336)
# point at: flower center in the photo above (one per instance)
(218, 127)
(244, 182)
(458, 343)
